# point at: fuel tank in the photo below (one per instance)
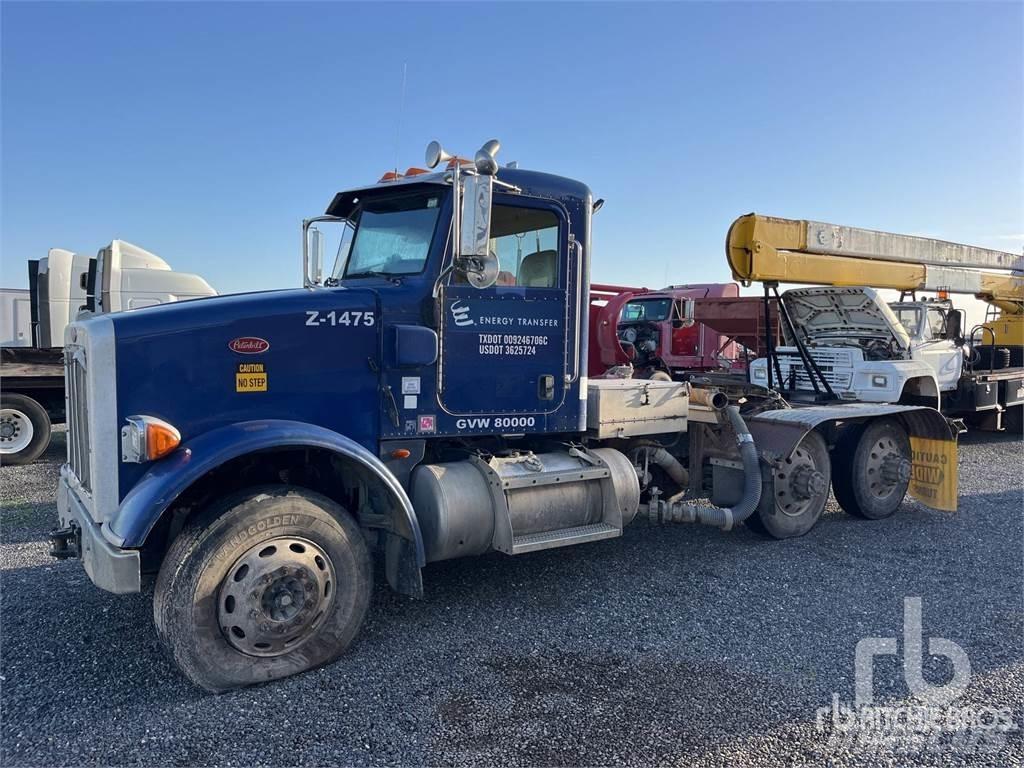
(509, 503)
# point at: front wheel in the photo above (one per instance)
(265, 585)
(873, 469)
(793, 494)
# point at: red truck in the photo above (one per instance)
(704, 327)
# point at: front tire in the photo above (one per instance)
(793, 495)
(24, 429)
(266, 584)
(873, 469)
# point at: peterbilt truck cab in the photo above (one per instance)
(422, 397)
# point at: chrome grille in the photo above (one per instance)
(827, 363)
(77, 414)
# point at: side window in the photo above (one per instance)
(937, 323)
(526, 242)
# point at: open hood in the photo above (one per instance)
(829, 314)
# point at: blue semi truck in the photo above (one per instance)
(424, 399)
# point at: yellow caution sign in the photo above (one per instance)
(933, 479)
(251, 377)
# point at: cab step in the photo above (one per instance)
(533, 542)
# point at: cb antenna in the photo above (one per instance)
(401, 110)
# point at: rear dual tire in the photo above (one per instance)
(263, 585)
(793, 495)
(869, 470)
(873, 468)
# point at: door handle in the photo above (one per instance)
(546, 387)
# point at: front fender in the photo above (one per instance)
(168, 478)
(897, 373)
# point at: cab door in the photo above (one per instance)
(504, 349)
(941, 354)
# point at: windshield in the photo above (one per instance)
(651, 310)
(392, 237)
(909, 317)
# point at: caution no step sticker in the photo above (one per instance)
(251, 377)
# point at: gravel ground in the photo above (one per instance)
(678, 645)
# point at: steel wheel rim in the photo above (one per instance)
(16, 431)
(883, 477)
(275, 596)
(791, 480)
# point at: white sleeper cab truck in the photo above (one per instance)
(62, 285)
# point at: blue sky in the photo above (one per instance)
(206, 132)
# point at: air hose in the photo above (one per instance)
(671, 465)
(719, 517)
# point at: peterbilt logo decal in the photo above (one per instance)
(248, 345)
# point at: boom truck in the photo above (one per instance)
(844, 342)
(425, 399)
(63, 284)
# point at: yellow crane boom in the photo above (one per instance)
(767, 249)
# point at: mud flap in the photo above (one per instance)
(933, 443)
(933, 449)
(400, 566)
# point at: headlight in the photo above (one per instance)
(147, 438)
(878, 380)
(760, 373)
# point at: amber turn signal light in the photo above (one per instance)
(147, 438)
(161, 439)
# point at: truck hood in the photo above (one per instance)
(823, 314)
(293, 355)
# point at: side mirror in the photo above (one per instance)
(954, 325)
(316, 256)
(682, 314)
(475, 259)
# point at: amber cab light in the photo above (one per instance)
(147, 438)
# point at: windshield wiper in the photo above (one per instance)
(394, 277)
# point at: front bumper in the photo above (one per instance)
(110, 568)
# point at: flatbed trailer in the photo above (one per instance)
(32, 383)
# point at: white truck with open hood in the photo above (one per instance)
(867, 349)
(63, 285)
(843, 341)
